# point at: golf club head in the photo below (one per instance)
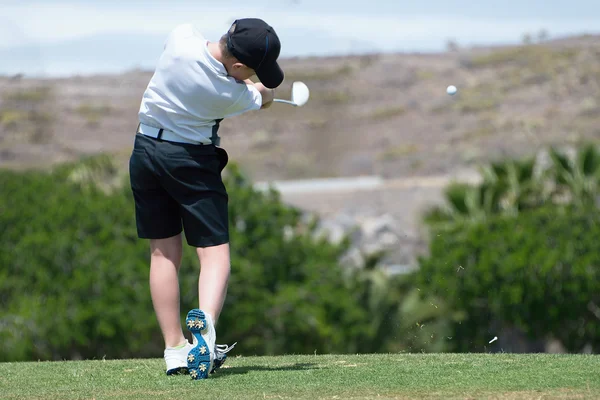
(300, 93)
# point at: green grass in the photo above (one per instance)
(93, 113)
(10, 118)
(471, 102)
(523, 56)
(319, 74)
(388, 112)
(30, 95)
(423, 376)
(397, 152)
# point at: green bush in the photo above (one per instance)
(71, 270)
(401, 316)
(538, 272)
(74, 277)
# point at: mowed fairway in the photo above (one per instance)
(382, 376)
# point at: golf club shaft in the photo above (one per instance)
(284, 101)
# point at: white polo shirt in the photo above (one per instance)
(190, 91)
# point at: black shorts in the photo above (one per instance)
(179, 187)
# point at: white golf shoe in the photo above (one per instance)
(221, 351)
(176, 359)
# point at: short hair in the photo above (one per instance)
(223, 45)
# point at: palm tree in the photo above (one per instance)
(575, 180)
(507, 187)
(518, 186)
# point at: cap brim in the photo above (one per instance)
(270, 75)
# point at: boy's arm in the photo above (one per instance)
(267, 94)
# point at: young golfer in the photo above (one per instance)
(175, 173)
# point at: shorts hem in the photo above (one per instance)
(157, 237)
(209, 241)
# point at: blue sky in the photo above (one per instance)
(58, 38)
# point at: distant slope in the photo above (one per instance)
(376, 114)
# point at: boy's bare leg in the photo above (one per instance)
(164, 287)
(214, 277)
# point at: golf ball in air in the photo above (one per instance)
(451, 90)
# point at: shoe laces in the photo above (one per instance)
(222, 349)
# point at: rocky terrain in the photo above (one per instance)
(384, 115)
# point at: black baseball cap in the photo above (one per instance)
(255, 44)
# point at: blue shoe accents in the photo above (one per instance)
(198, 359)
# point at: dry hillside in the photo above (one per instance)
(379, 114)
(375, 114)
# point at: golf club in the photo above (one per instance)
(300, 95)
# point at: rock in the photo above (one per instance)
(554, 346)
(369, 234)
(374, 226)
(334, 232)
(353, 259)
(388, 239)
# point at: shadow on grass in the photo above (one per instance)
(226, 371)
